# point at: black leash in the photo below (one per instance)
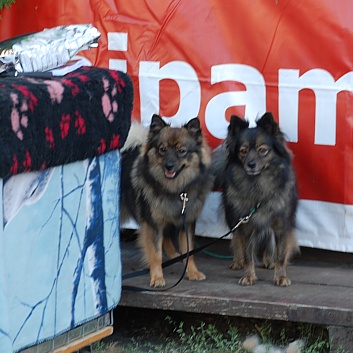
(186, 256)
(164, 264)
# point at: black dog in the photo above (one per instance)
(254, 169)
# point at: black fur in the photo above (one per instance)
(258, 171)
(171, 161)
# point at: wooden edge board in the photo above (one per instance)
(86, 340)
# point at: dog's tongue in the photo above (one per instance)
(170, 175)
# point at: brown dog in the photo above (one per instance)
(170, 162)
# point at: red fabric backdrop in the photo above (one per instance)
(294, 58)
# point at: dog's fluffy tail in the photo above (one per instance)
(218, 166)
(137, 135)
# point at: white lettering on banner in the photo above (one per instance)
(325, 89)
(321, 82)
(254, 98)
(117, 42)
(184, 75)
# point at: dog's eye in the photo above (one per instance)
(162, 150)
(182, 152)
(243, 151)
(262, 151)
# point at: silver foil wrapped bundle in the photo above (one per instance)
(48, 49)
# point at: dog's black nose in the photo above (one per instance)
(169, 165)
(251, 164)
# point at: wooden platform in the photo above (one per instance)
(321, 290)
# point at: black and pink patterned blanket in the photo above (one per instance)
(55, 121)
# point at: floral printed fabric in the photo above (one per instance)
(51, 122)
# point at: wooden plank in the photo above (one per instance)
(321, 290)
(85, 341)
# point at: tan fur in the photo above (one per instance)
(153, 255)
(171, 161)
(291, 247)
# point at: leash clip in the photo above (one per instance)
(246, 219)
(184, 198)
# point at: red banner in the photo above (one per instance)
(213, 58)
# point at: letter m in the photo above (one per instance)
(325, 88)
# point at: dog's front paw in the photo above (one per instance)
(282, 281)
(267, 263)
(196, 276)
(157, 282)
(247, 280)
(236, 265)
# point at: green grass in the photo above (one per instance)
(6, 3)
(208, 338)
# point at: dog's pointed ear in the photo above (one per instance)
(194, 128)
(236, 124)
(157, 124)
(268, 123)
(282, 151)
